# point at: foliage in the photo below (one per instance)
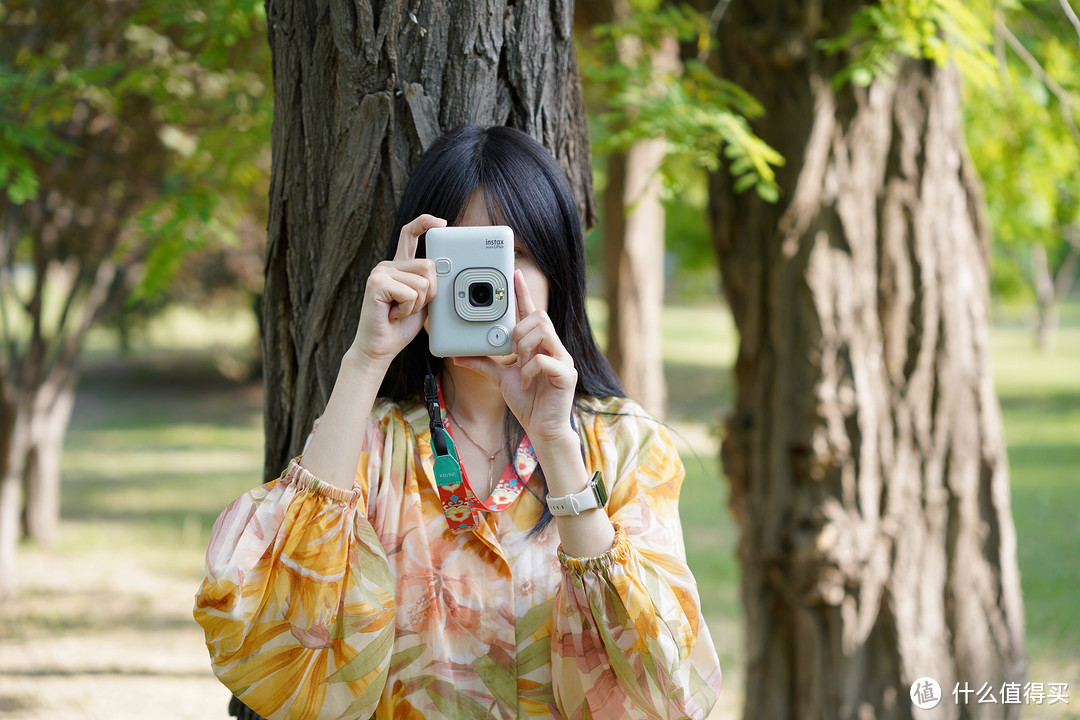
(1021, 63)
(700, 115)
(131, 131)
(191, 79)
(1024, 140)
(940, 30)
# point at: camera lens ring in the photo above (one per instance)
(481, 293)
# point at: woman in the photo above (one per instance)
(348, 588)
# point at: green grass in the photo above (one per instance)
(155, 452)
(1040, 401)
(161, 444)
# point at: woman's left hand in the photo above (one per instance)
(539, 387)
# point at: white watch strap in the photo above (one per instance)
(575, 504)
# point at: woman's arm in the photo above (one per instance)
(628, 637)
(298, 600)
(395, 301)
(539, 389)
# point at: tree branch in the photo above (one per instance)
(1064, 98)
(1071, 14)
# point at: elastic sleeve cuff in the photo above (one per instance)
(298, 476)
(619, 552)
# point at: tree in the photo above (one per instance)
(659, 112)
(359, 91)
(124, 140)
(1023, 131)
(864, 451)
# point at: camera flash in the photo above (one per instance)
(500, 294)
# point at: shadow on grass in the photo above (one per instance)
(698, 393)
(1042, 403)
(154, 393)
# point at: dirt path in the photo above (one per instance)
(100, 636)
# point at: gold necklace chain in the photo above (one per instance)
(491, 456)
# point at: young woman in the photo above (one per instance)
(354, 586)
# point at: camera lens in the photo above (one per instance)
(480, 294)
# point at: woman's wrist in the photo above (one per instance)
(564, 467)
(334, 449)
(359, 364)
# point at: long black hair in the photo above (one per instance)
(526, 190)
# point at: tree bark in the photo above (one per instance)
(865, 451)
(360, 90)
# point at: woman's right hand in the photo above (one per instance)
(396, 296)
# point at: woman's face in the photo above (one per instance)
(476, 214)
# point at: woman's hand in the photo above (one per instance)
(396, 297)
(539, 387)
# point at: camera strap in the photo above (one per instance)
(453, 492)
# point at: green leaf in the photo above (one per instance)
(497, 679)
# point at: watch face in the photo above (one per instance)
(600, 487)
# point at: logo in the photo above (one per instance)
(925, 693)
(493, 243)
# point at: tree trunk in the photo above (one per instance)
(634, 224)
(360, 90)
(865, 451)
(1051, 288)
(634, 274)
(10, 496)
(47, 418)
(1043, 281)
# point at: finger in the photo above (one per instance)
(410, 234)
(424, 283)
(541, 338)
(525, 304)
(486, 366)
(401, 297)
(559, 374)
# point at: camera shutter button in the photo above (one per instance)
(497, 336)
(442, 266)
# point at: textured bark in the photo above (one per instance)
(360, 89)
(865, 451)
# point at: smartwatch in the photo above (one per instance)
(593, 496)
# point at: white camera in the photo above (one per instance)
(473, 311)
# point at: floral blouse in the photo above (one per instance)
(321, 602)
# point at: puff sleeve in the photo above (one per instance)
(629, 639)
(298, 601)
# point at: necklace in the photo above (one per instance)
(491, 455)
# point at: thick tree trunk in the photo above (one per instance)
(865, 451)
(359, 91)
(634, 273)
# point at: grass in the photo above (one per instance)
(160, 445)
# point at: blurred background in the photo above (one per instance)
(135, 170)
